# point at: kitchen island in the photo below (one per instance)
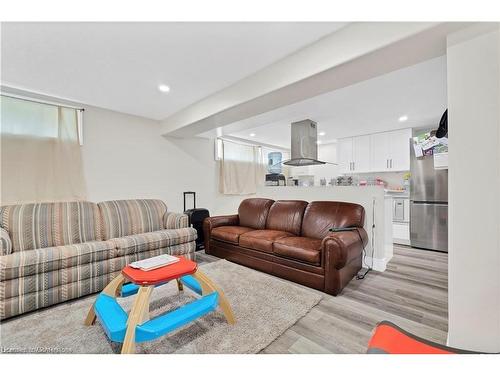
(378, 210)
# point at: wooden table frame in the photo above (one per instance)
(139, 313)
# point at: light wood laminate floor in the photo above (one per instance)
(412, 292)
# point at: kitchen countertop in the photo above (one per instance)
(397, 194)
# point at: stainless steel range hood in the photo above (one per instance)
(304, 144)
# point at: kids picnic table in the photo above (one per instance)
(137, 327)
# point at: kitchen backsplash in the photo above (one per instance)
(394, 179)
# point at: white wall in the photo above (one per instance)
(474, 192)
(125, 157)
(328, 153)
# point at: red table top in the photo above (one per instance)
(159, 275)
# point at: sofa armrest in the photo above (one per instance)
(217, 221)
(5, 242)
(172, 220)
(342, 258)
(340, 248)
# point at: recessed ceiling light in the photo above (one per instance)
(252, 134)
(164, 88)
(403, 118)
(322, 133)
(318, 142)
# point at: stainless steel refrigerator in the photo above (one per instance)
(428, 203)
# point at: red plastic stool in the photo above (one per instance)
(388, 338)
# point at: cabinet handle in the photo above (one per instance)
(387, 163)
(391, 163)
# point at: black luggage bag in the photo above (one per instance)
(196, 217)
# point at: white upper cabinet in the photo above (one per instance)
(399, 142)
(344, 156)
(361, 154)
(379, 152)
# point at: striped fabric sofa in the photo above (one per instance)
(54, 252)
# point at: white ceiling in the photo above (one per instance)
(119, 65)
(375, 105)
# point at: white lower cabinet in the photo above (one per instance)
(401, 233)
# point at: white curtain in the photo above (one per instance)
(241, 168)
(40, 153)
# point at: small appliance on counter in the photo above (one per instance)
(196, 217)
(274, 167)
(345, 181)
(274, 162)
(275, 179)
(306, 180)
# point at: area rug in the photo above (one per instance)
(264, 307)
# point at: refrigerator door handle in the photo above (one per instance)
(440, 204)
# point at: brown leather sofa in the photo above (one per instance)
(291, 239)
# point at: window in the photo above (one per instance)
(21, 117)
(241, 168)
(40, 152)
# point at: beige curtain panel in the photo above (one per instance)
(241, 169)
(40, 153)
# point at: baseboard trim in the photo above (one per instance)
(379, 264)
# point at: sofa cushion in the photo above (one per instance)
(286, 216)
(138, 243)
(319, 217)
(303, 249)
(229, 233)
(30, 262)
(253, 212)
(40, 225)
(127, 217)
(262, 239)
